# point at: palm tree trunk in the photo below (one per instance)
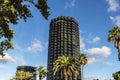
(82, 72)
(65, 74)
(40, 78)
(119, 50)
(117, 45)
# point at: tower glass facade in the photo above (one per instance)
(63, 40)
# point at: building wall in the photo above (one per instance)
(27, 69)
(63, 40)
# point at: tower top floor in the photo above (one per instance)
(64, 18)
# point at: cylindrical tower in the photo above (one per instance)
(63, 40)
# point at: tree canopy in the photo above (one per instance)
(67, 64)
(83, 61)
(42, 72)
(116, 75)
(13, 10)
(21, 75)
(114, 36)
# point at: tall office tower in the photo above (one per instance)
(27, 69)
(63, 40)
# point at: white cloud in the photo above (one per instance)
(7, 76)
(107, 79)
(82, 31)
(103, 51)
(91, 60)
(7, 58)
(70, 3)
(96, 39)
(90, 77)
(115, 20)
(36, 46)
(108, 63)
(91, 39)
(21, 60)
(19, 51)
(113, 5)
(82, 44)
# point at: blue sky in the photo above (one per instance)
(95, 18)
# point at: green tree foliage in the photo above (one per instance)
(13, 10)
(116, 75)
(21, 75)
(114, 36)
(65, 63)
(42, 72)
(83, 62)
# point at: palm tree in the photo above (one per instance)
(21, 75)
(116, 75)
(83, 62)
(42, 72)
(65, 63)
(114, 36)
